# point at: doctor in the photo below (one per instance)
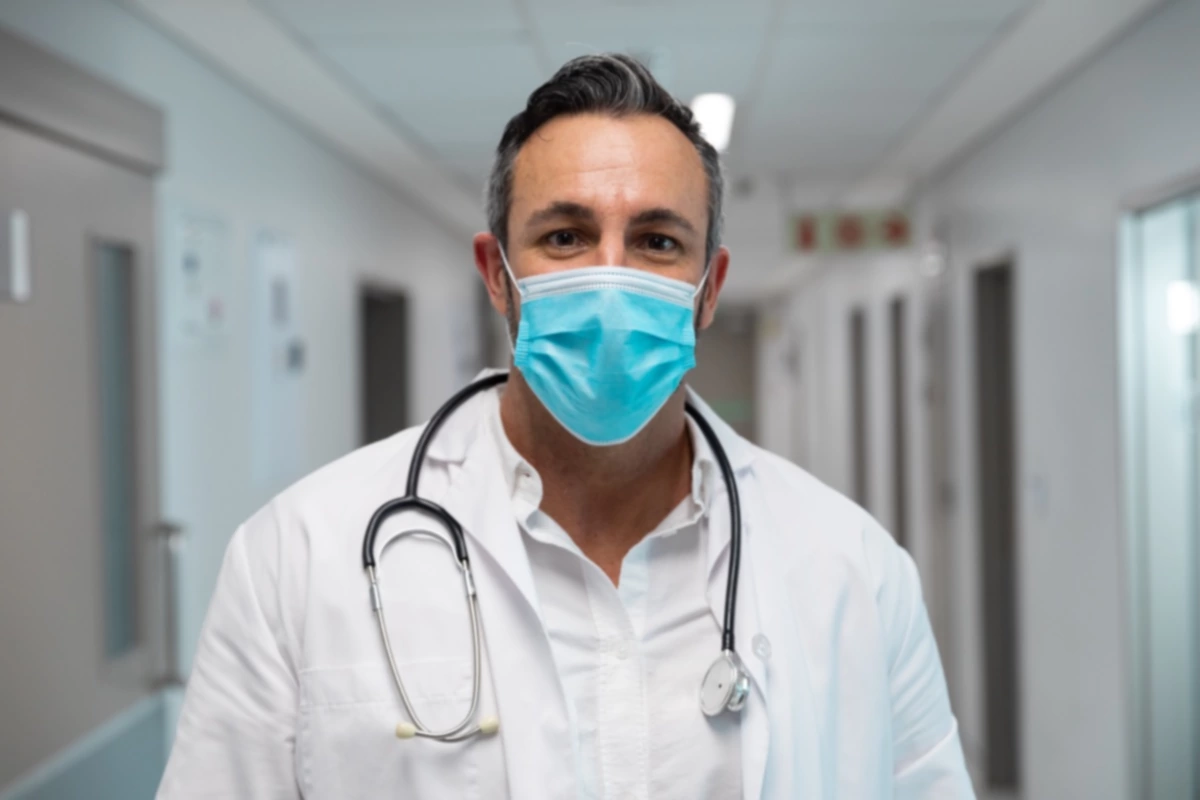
(599, 530)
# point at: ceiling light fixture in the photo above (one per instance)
(714, 112)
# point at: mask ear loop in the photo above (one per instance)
(703, 280)
(699, 290)
(512, 281)
(508, 268)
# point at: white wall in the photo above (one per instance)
(232, 158)
(1049, 188)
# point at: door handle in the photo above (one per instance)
(14, 260)
(169, 537)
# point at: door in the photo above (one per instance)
(80, 586)
(1160, 369)
(898, 352)
(942, 580)
(860, 446)
(384, 318)
(995, 398)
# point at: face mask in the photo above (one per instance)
(604, 348)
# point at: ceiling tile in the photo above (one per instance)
(832, 157)
(685, 66)
(328, 22)
(893, 13)
(648, 18)
(866, 62)
(458, 95)
(824, 87)
(837, 100)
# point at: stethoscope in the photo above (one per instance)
(726, 684)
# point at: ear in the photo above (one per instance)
(491, 269)
(712, 287)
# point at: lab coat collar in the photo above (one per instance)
(459, 431)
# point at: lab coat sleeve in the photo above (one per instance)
(237, 727)
(927, 754)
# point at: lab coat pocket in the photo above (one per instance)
(346, 742)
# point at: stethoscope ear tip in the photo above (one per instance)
(405, 730)
(489, 725)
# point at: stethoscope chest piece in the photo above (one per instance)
(725, 685)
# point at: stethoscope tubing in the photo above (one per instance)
(458, 545)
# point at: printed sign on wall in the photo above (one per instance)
(851, 231)
(198, 280)
(279, 363)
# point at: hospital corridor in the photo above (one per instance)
(943, 256)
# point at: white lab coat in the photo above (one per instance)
(290, 694)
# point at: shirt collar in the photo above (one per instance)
(453, 440)
(525, 485)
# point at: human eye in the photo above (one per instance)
(562, 240)
(662, 244)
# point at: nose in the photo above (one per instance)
(611, 250)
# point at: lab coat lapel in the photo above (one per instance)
(796, 766)
(529, 699)
(755, 725)
(755, 722)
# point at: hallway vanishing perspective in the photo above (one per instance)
(963, 290)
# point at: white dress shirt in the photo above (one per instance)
(631, 656)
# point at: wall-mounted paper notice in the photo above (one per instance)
(278, 363)
(197, 279)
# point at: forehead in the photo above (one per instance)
(613, 165)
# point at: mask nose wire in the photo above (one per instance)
(513, 278)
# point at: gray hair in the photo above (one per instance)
(612, 84)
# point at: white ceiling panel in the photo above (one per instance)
(686, 68)
(455, 75)
(857, 85)
(456, 98)
(821, 115)
(916, 13)
(471, 164)
(651, 18)
(330, 21)
(868, 63)
(810, 76)
(810, 154)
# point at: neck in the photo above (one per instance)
(606, 498)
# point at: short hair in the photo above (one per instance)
(611, 84)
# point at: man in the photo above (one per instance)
(599, 528)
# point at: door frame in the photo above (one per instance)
(52, 98)
(1131, 497)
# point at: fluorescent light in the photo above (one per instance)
(1183, 307)
(714, 112)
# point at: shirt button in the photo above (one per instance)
(762, 646)
(622, 650)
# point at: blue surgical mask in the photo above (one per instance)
(604, 348)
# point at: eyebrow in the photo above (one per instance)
(666, 215)
(576, 211)
(558, 210)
